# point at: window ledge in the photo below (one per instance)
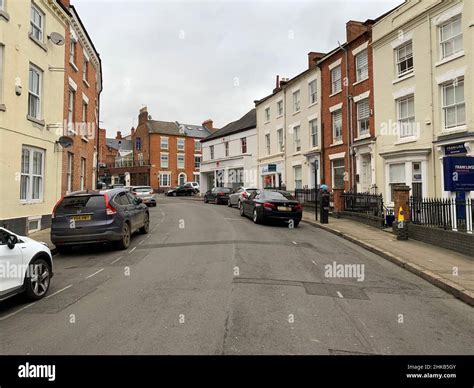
(35, 120)
(403, 77)
(366, 136)
(86, 83)
(297, 153)
(279, 116)
(295, 113)
(313, 104)
(73, 65)
(337, 143)
(4, 15)
(335, 93)
(360, 81)
(405, 140)
(266, 122)
(450, 58)
(3, 108)
(460, 128)
(39, 43)
(83, 138)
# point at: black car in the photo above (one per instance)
(218, 195)
(181, 190)
(263, 205)
(87, 217)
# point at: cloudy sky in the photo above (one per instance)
(189, 60)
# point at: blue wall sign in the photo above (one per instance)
(455, 149)
(458, 173)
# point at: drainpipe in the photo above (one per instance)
(433, 146)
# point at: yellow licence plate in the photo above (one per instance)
(81, 218)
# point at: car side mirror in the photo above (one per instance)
(138, 200)
(12, 240)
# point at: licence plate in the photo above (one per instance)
(283, 208)
(82, 218)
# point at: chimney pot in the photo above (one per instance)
(119, 135)
(313, 58)
(143, 115)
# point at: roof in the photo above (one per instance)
(247, 121)
(121, 145)
(175, 128)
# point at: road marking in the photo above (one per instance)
(95, 273)
(131, 250)
(314, 262)
(17, 311)
(57, 292)
(120, 258)
(294, 242)
(339, 294)
(141, 242)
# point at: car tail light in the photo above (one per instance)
(55, 207)
(298, 207)
(268, 205)
(245, 195)
(109, 209)
(220, 194)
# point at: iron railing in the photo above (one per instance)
(447, 213)
(365, 203)
(307, 196)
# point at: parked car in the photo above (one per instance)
(89, 217)
(145, 193)
(181, 190)
(242, 192)
(116, 186)
(194, 185)
(263, 205)
(28, 266)
(218, 195)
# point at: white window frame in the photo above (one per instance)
(362, 71)
(267, 114)
(363, 119)
(243, 140)
(280, 139)
(226, 149)
(211, 152)
(168, 179)
(313, 133)
(178, 163)
(82, 177)
(179, 142)
(35, 94)
(336, 139)
(197, 146)
(333, 169)
(336, 83)
(300, 180)
(267, 143)
(296, 101)
(297, 138)
(69, 171)
(164, 140)
(2, 54)
(280, 110)
(71, 101)
(197, 164)
(313, 92)
(456, 105)
(164, 156)
(85, 68)
(403, 120)
(72, 51)
(451, 39)
(405, 58)
(30, 175)
(34, 27)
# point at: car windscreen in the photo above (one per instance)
(143, 189)
(84, 203)
(224, 190)
(278, 196)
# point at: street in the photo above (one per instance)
(207, 281)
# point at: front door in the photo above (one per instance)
(365, 173)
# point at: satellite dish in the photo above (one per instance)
(65, 141)
(57, 38)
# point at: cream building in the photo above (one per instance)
(31, 112)
(289, 131)
(423, 89)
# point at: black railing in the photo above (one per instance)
(365, 203)
(307, 196)
(446, 213)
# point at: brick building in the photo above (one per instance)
(169, 151)
(347, 112)
(83, 85)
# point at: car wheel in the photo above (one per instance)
(206, 200)
(125, 241)
(241, 211)
(257, 219)
(239, 204)
(174, 194)
(295, 224)
(146, 226)
(37, 284)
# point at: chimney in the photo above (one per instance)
(119, 135)
(354, 29)
(143, 115)
(277, 84)
(209, 124)
(65, 3)
(313, 58)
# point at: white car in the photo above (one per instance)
(26, 266)
(194, 185)
(236, 198)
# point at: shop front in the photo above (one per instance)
(271, 176)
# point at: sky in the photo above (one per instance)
(189, 61)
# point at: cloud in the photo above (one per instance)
(183, 59)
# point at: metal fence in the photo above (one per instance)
(365, 203)
(307, 196)
(446, 213)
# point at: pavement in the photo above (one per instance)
(207, 281)
(448, 270)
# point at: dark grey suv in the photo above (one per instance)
(97, 217)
